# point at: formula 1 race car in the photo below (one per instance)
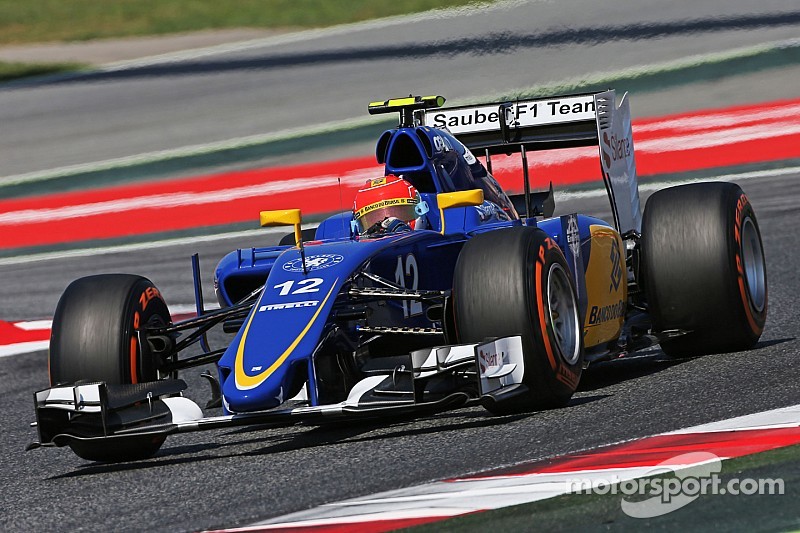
(482, 299)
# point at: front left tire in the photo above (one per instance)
(94, 338)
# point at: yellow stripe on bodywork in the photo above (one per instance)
(245, 382)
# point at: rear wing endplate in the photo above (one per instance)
(559, 122)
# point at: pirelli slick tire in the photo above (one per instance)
(94, 338)
(516, 282)
(94, 330)
(704, 268)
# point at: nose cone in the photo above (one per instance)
(269, 394)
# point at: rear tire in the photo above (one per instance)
(94, 338)
(704, 268)
(516, 282)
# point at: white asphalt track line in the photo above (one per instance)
(677, 142)
(23, 347)
(722, 137)
(720, 120)
(351, 521)
(34, 325)
(658, 185)
(778, 418)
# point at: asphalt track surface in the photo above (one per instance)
(224, 478)
(332, 76)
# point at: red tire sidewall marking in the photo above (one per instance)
(563, 373)
(134, 361)
(540, 264)
(741, 204)
(139, 318)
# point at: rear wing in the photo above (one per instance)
(538, 124)
(560, 122)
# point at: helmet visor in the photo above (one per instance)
(401, 208)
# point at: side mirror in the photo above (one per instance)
(284, 217)
(446, 200)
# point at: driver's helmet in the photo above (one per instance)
(386, 204)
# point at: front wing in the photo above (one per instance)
(106, 412)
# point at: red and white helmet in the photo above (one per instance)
(389, 197)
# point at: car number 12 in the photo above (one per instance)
(410, 308)
(304, 286)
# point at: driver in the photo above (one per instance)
(387, 205)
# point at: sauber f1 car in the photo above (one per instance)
(487, 300)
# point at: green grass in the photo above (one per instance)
(12, 71)
(28, 21)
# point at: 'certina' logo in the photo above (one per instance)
(288, 305)
(313, 262)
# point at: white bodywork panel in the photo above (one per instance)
(617, 159)
(362, 387)
(81, 398)
(182, 409)
(500, 363)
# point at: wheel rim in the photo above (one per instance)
(563, 314)
(753, 264)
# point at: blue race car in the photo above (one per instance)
(437, 291)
